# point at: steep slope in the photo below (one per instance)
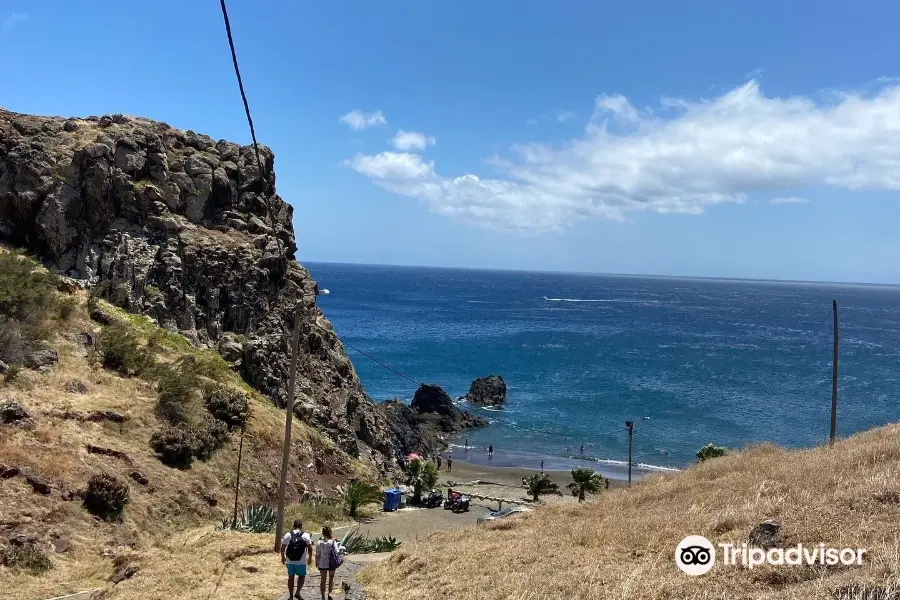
(622, 544)
(70, 418)
(186, 230)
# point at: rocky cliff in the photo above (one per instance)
(187, 230)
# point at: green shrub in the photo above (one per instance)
(28, 558)
(177, 401)
(173, 446)
(208, 438)
(67, 306)
(27, 292)
(711, 451)
(120, 349)
(228, 405)
(28, 301)
(106, 496)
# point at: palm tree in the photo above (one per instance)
(359, 493)
(585, 480)
(422, 474)
(539, 484)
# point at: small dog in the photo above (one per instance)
(346, 587)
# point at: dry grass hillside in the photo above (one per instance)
(85, 419)
(622, 544)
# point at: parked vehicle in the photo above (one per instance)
(434, 499)
(501, 514)
(456, 502)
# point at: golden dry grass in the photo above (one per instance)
(622, 544)
(175, 501)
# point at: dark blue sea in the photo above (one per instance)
(689, 361)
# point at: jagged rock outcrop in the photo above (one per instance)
(187, 230)
(487, 391)
(431, 400)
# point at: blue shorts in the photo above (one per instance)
(298, 570)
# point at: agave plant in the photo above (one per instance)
(256, 518)
(356, 543)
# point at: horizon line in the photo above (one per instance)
(609, 274)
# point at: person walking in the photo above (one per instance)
(449, 464)
(542, 466)
(490, 450)
(296, 554)
(439, 462)
(328, 559)
(466, 444)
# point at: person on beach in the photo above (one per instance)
(466, 444)
(449, 464)
(439, 462)
(607, 482)
(296, 554)
(542, 466)
(490, 450)
(327, 546)
(582, 448)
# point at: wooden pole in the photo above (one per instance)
(630, 426)
(834, 377)
(237, 484)
(288, 421)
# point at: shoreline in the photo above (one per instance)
(615, 470)
(465, 472)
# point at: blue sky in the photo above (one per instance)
(734, 139)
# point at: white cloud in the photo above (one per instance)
(705, 152)
(412, 140)
(789, 200)
(394, 166)
(358, 119)
(565, 115)
(12, 20)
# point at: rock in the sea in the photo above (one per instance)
(13, 413)
(487, 391)
(431, 398)
(433, 402)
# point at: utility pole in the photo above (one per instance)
(288, 421)
(834, 377)
(237, 484)
(629, 425)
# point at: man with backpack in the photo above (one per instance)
(295, 555)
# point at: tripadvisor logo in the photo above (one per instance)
(696, 555)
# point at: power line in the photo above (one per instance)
(237, 71)
(262, 172)
(389, 368)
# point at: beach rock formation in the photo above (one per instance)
(434, 406)
(189, 231)
(487, 391)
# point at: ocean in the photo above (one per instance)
(689, 361)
